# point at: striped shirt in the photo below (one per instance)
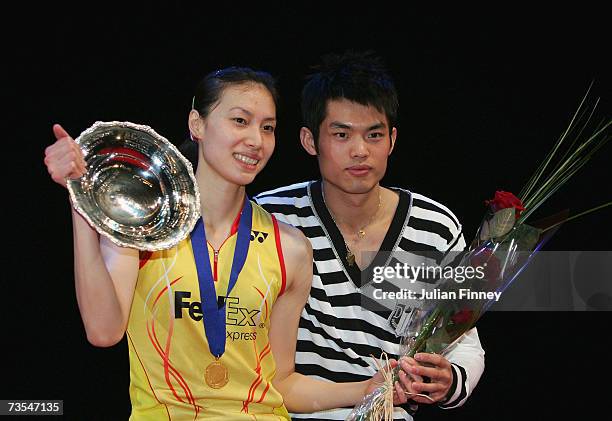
(338, 336)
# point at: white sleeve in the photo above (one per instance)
(467, 361)
(466, 356)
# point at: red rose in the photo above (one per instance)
(503, 200)
(489, 263)
(462, 316)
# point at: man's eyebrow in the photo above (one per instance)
(339, 125)
(377, 126)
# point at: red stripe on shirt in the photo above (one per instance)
(279, 250)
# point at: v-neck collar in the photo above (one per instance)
(233, 229)
(389, 243)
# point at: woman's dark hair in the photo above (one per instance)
(209, 90)
(359, 77)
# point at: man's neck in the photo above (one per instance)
(352, 210)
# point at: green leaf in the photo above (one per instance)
(502, 222)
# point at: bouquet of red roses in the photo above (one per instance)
(502, 247)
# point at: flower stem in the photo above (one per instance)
(423, 335)
(425, 332)
(540, 171)
(576, 216)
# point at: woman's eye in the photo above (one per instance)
(269, 128)
(240, 121)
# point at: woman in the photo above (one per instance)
(185, 362)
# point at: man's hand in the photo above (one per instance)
(433, 366)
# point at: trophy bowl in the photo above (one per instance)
(138, 189)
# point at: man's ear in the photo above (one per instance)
(196, 126)
(393, 139)
(307, 140)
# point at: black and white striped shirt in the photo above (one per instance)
(337, 336)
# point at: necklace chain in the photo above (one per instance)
(350, 256)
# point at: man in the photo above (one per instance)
(349, 109)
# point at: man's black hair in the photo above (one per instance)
(359, 77)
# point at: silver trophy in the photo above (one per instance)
(138, 189)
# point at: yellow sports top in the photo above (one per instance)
(169, 352)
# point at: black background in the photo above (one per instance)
(484, 94)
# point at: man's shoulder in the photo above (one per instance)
(424, 207)
(290, 191)
(432, 225)
(285, 199)
(290, 204)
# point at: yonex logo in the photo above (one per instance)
(259, 235)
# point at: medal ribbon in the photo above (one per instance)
(213, 313)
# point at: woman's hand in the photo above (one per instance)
(403, 389)
(64, 158)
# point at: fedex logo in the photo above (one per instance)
(235, 315)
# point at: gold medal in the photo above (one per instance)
(216, 375)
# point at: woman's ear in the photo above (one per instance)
(196, 126)
(307, 140)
